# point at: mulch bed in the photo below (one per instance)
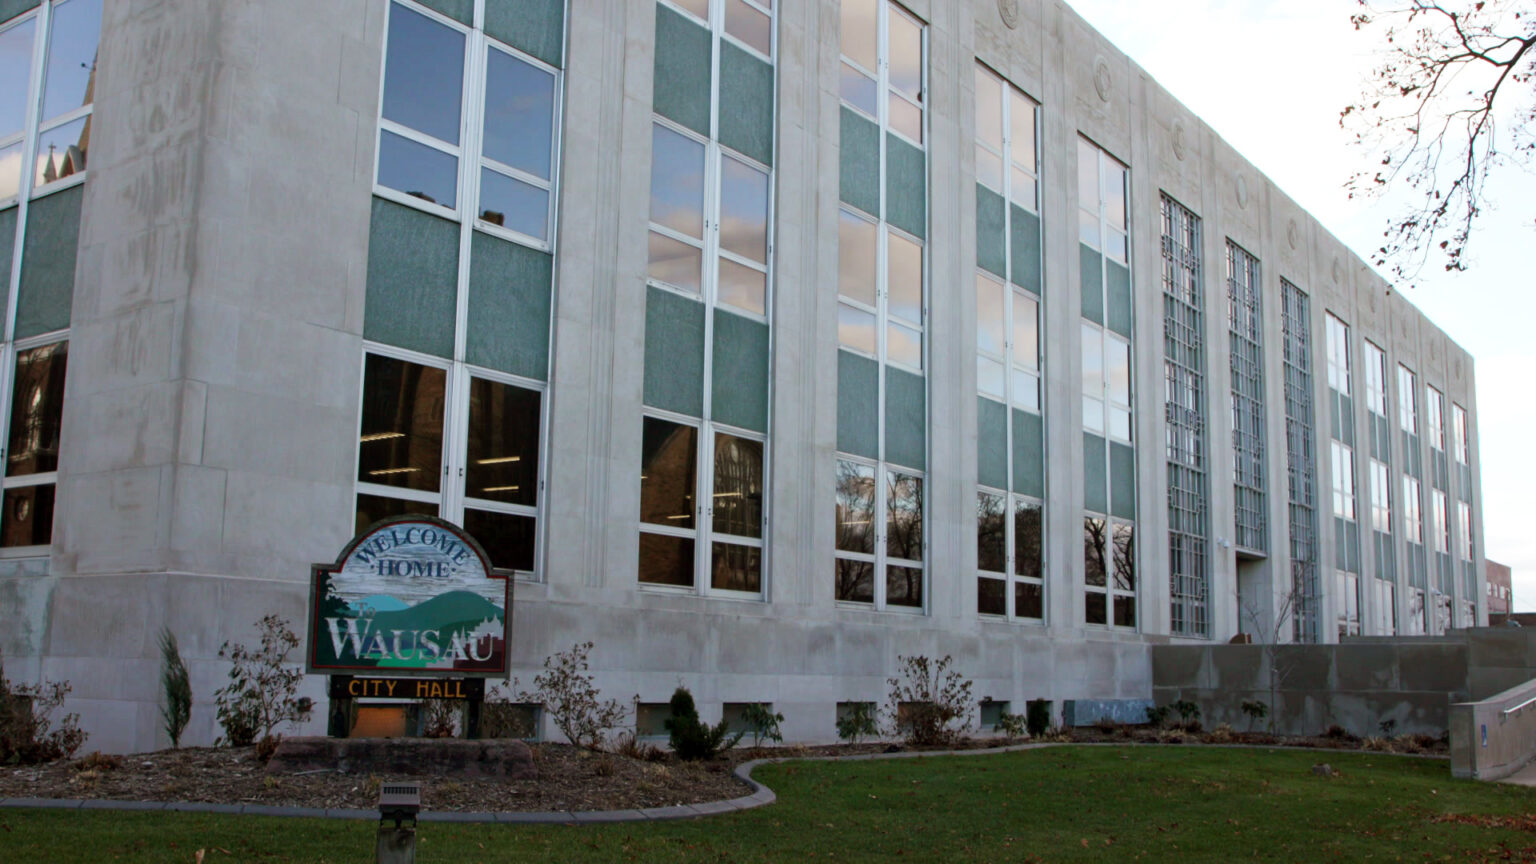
(569, 779)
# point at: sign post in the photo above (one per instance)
(412, 609)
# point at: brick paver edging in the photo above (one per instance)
(760, 796)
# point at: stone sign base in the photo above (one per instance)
(435, 757)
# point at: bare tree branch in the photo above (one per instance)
(1432, 110)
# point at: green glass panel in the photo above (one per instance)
(905, 419)
(859, 182)
(413, 266)
(1122, 481)
(11, 8)
(906, 187)
(48, 263)
(534, 27)
(858, 405)
(674, 352)
(7, 240)
(991, 443)
(1095, 492)
(746, 103)
(1028, 454)
(991, 233)
(462, 11)
(509, 300)
(1118, 290)
(1025, 228)
(1092, 273)
(739, 375)
(681, 90)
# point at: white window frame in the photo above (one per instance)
(1375, 379)
(881, 559)
(8, 354)
(1012, 578)
(35, 126)
(1110, 590)
(1381, 500)
(712, 251)
(884, 91)
(1460, 435)
(1413, 524)
(715, 20)
(703, 534)
(1345, 497)
(469, 151)
(1434, 409)
(1408, 396)
(1338, 354)
(452, 499)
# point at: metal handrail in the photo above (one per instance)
(1508, 711)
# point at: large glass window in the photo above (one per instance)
(1107, 398)
(1300, 461)
(1343, 481)
(1009, 556)
(497, 172)
(1246, 332)
(696, 521)
(882, 299)
(1375, 379)
(47, 87)
(883, 65)
(1185, 395)
(1461, 442)
(880, 542)
(709, 240)
(46, 120)
(452, 441)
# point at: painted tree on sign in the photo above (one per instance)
(1451, 101)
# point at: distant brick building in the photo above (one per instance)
(1500, 595)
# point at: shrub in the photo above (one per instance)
(1037, 716)
(762, 724)
(1387, 727)
(1338, 732)
(440, 718)
(1106, 725)
(1256, 711)
(927, 698)
(1374, 743)
(25, 717)
(1055, 735)
(176, 685)
(1157, 715)
(1220, 735)
(1187, 710)
(566, 691)
(1012, 725)
(861, 721)
(97, 761)
(691, 738)
(262, 693)
(629, 744)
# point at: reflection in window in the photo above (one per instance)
(855, 531)
(667, 478)
(37, 405)
(402, 430)
(503, 456)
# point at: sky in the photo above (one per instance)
(1271, 76)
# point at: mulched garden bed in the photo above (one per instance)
(569, 779)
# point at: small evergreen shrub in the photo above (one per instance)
(1037, 717)
(691, 738)
(1011, 725)
(1256, 711)
(176, 686)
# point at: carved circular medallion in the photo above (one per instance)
(1102, 80)
(1338, 271)
(1293, 234)
(1180, 140)
(1242, 191)
(1008, 10)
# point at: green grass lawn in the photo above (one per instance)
(1057, 804)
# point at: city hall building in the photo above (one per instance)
(765, 340)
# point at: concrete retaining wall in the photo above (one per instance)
(1495, 737)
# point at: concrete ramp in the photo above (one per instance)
(1495, 738)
